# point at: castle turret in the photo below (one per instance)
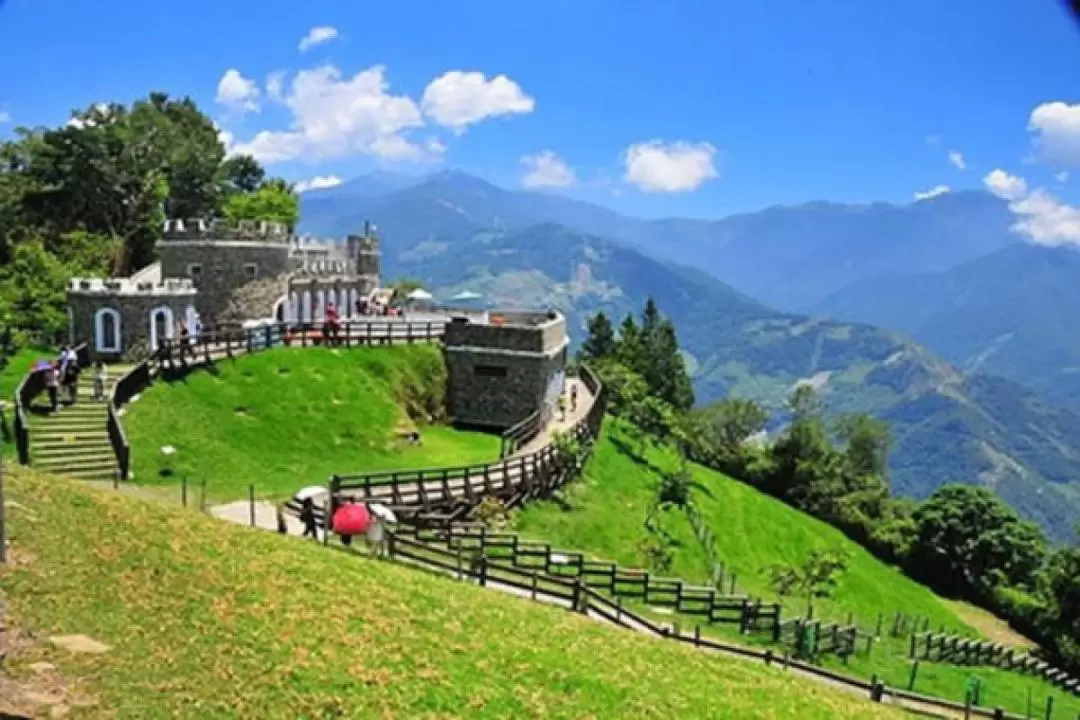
(220, 257)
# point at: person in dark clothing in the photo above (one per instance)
(51, 381)
(346, 540)
(573, 398)
(307, 516)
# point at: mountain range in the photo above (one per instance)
(949, 423)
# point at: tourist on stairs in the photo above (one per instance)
(100, 376)
(51, 381)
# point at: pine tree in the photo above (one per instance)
(629, 349)
(600, 342)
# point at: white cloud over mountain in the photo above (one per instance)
(1041, 217)
(932, 192)
(1056, 133)
(319, 182)
(458, 99)
(657, 166)
(546, 169)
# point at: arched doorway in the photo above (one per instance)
(161, 326)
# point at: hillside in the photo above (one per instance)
(948, 426)
(603, 515)
(1012, 313)
(206, 619)
(289, 417)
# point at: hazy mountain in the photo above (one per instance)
(788, 257)
(1014, 313)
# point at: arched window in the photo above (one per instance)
(193, 327)
(281, 309)
(161, 326)
(107, 331)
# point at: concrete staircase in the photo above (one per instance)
(74, 441)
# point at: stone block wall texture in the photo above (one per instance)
(256, 300)
(135, 319)
(536, 338)
(223, 268)
(477, 395)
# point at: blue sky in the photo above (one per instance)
(676, 108)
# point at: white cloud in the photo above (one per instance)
(225, 138)
(334, 116)
(1056, 126)
(957, 160)
(317, 36)
(656, 166)
(1062, 177)
(434, 146)
(1005, 186)
(458, 99)
(319, 182)
(275, 85)
(932, 192)
(237, 92)
(1043, 218)
(546, 169)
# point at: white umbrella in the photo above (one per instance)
(419, 294)
(311, 491)
(382, 512)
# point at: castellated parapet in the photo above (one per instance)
(220, 229)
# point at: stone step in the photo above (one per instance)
(92, 473)
(68, 423)
(88, 459)
(81, 409)
(55, 448)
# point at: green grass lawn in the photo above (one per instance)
(754, 532)
(11, 375)
(290, 417)
(206, 619)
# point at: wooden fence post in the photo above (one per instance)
(251, 504)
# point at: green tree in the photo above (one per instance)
(729, 423)
(600, 341)
(968, 541)
(32, 289)
(628, 352)
(817, 577)
(242, 173)
(273, 201)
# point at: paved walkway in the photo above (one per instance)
(558, 423)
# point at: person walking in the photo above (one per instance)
(573, 398)
(307, 516)
(51, 381)
(184, 339)
(100, 376)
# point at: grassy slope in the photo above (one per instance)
(207, 619)
(755, 531)
(290, 417)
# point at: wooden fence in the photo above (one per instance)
(32, 385)
(575, 594)
(939, 647)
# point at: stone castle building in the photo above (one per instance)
(223, 273)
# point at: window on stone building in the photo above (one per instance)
(194, 271)
(251, 271)
(107, 330)
(496, 371)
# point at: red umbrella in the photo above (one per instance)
(352, 519)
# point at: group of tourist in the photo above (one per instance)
(62, 374)
(375, 532)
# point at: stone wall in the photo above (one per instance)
(134, 318)
(224, 268)
(499, 375)
(256, 300)
(497, 390)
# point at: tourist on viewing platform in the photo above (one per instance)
(332, 326)
(573, 398)
(100, 376)
(562, 408)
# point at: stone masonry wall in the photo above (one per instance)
(256, 300)
(223, 268)
(135, 332)
(475, 396)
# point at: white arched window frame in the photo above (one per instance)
(107, 331)
(190, 314)
(320, 306)
(281, 309)
(305, 308)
